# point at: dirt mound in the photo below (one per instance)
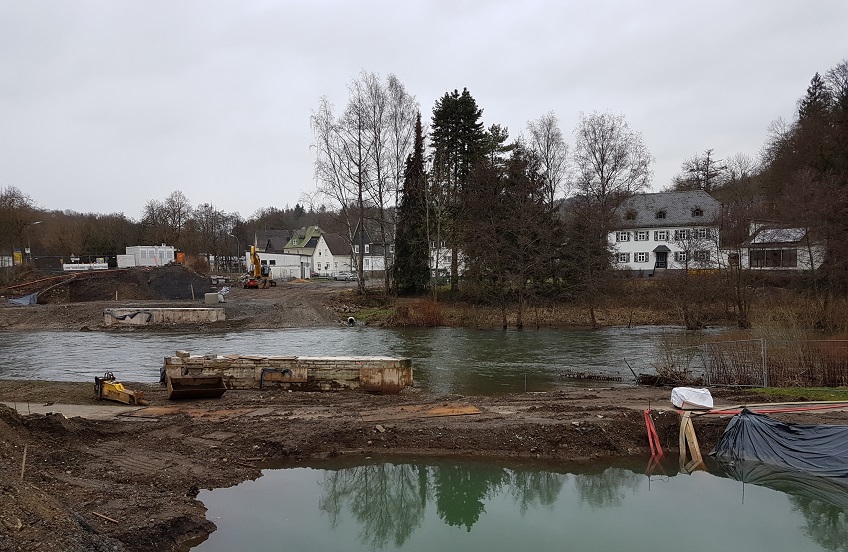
(166, 283)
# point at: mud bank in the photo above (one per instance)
(129, 482)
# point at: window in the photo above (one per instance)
(263, 262)
(681, 234)
(701, 256)
(367, 247)
(624, 257)
(319, 252)
(144, 253)
(773, 258)
(640, 257)
(641, 235)
(622, 236)
(391, 248)
(661, 235)
(272, 262)
(697, 212)
(356, 249)
(680, 256)
(701, 233)
(630, 215)
(660, 214)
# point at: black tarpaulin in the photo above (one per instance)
(817, 449)
(791, 482)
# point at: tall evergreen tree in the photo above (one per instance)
(816, 104)
(458, 140)
(411, 267)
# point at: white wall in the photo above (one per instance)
(152, 255)
(632, 247)
(284, 265)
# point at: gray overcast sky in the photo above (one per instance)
(107, 104)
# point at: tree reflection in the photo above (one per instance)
(460, 491)
(388, 500)
(606, 489)
(826, 524)
(532, 487)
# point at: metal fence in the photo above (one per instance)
(762, 363)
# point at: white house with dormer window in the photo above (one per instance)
(666, 230)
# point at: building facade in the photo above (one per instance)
(666, 231)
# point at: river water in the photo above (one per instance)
(455, 505)
(445, 360)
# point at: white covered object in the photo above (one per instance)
(688, 398)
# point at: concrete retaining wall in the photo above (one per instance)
(372, 374)
(146, 316)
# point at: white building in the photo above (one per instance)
(667, 230)
(148, 255)
(332, 255)
(283, 266)
(785, 249)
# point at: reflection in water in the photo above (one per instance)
(822, 501)
(608, 488)
(474, 506)
(530, 488)
(461, 490)
(386, 499)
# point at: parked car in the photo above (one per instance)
(345, 276)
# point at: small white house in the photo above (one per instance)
(148, 255)
(785, 249)
(332, 255)
(668, 230)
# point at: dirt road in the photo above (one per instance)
(288, 305)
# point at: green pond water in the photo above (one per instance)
(440, 506)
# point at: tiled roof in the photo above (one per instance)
(690, 208)
(337, 244)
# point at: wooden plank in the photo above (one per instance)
(413, 411)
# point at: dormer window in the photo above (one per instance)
(697, 212)
(631, 215)
(660, 214)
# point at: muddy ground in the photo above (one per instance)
(129, 482)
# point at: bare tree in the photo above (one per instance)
(546, 141)
(611, 160)
(360, 156)
(390, 118)
(611, 163)
(177, 214)
(343, 165)
(739, 167)
(16, 215)
(701, 172)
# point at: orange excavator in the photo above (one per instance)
(259, 275)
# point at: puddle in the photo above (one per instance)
(470, 506)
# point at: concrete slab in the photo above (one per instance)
(106, 411)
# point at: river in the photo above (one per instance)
(445, 360)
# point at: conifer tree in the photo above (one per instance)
(411, 266)
(458, 140)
